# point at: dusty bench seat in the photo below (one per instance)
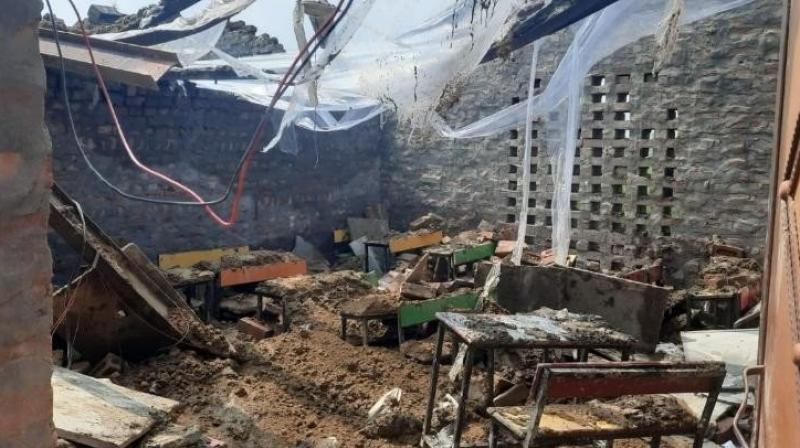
(626, 401)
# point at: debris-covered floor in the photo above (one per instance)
(305, 386)
(309, 387)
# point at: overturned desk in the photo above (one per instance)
(545, 329)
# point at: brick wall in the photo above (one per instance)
(197, 136)
(663, 162)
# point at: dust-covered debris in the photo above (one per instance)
(258, 258)
(331, 290)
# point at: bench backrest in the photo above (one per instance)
(611, 380)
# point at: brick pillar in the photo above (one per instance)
(26, 398)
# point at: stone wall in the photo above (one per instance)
(197, 136)
(26, 398)
(663, 162)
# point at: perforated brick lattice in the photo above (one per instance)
(625, 176)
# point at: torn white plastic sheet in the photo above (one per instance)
(558, 106)
(215, 12)
(612, 28)
(193, 47)
(420, 66)
(522, 222)
(408, 71)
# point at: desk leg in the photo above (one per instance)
(400, 335)
(198, 291)
(365, 332)
(462, 401)
(344, 328)
(284, 315)
(489, 377)
(260, 308)
(366, 258)
(437, 357)
(209, 302)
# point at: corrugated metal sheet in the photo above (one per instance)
(124, 63)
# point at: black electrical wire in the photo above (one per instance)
(279, 93)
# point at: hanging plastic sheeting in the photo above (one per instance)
(430, 62)
(424, 66)
(522, 227)
(558, 106)
(411, 70)
(193, 47)
(215, 12)
(619, 25)
(302, 109)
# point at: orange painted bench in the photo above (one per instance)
(254, 274)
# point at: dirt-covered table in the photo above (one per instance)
(545, 329)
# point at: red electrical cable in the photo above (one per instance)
(258, 135)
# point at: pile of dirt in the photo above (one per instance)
(725, 273)
(294, 389)
(205, 337)
(330, 289)
(646, 411)
(258, 258)
(372, 305)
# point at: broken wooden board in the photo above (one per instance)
(191, 258)
(413, 241)
(100, 414)
(419, 312)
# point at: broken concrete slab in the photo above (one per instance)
(738, 349)
(173, 436)
(100, 414)
(632, 307)
(128, 300)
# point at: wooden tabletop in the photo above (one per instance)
(527, 330)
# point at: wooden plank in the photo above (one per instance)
(191, 258)
(474, 253)
(341, 236)
(255, 274)
(101, 414)
(415, 313)
(405, 243)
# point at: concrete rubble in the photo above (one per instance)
(302, 384)
(391, 258)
